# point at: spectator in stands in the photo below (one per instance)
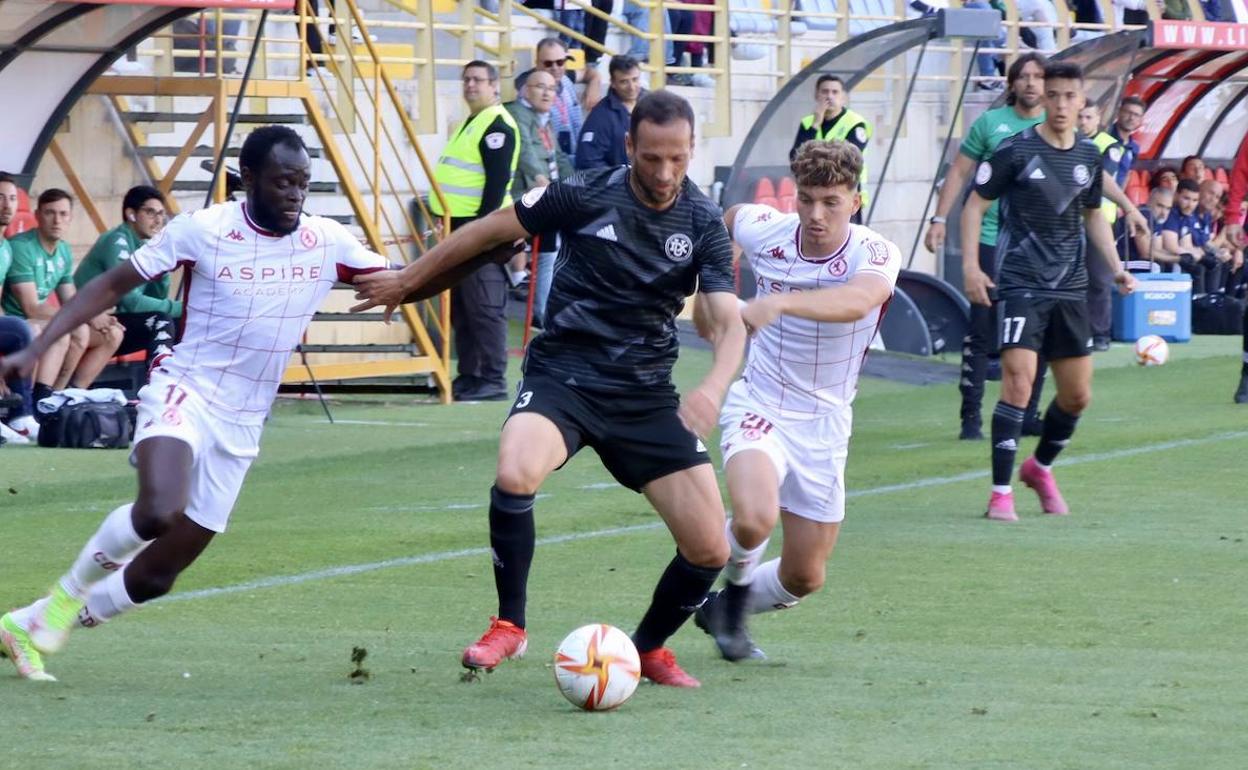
(1165, 176)
(1130, 116)
(602, 137)
(1131, 12)
(41, 267)
(568, 113)
(541, 162)
(639, 17)
(691, 53)
(1147, 251)
(1184, 234)
(989, 64)
(15, 334)
(1176, 10)
(146, 312)
(832, 120)
(1100, 277)
(475, 174)
(1210, 213)
(1193, 168)
(1044, 15)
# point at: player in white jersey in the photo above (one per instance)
(823, 285)
(256, 271)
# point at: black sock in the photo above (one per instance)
(512, 538)
(681, 589)
(40, 391)
(1007, 426)
(1243, 370)
(1059, 426)
(735, 598)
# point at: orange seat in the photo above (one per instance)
(21, 222)
(786, 188)
(1137, 194)
(764, 189)
(787, 203)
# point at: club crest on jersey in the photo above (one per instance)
(307, 238)
(1081, 174)
(983, 173)
(879, 253)
(495, 140)
(530, 198)
(838, 267)
(678, 247)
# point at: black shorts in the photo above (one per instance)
(638, 437)
(1055, 328)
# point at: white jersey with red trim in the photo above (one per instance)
(797, 367)
(249, 296)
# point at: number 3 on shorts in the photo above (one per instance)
(1012, 339)
(524, 399)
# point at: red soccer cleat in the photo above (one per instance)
(659, 666)
(1042, 481)
(503, 641)
(1001, 507)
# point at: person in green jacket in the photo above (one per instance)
(146, 312)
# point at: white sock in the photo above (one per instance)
(108, 599)
(766, 592)
(743, 561)
(1001, 490)
(108, 550)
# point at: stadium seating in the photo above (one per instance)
(764, 189)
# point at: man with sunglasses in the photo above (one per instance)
(146, 311)
(568, 114)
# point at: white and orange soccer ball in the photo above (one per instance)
(597, 667)
(1151, 350)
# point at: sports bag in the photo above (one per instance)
(87, 425)
(1217, 314)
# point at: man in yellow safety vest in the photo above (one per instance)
(474, 175)
(832, 120)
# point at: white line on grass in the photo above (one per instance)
(440, 556)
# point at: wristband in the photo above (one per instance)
(937, 220)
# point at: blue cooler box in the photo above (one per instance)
(1161, 304)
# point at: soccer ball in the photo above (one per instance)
(1151, 350)
(597, 667)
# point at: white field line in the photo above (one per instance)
(278, 581)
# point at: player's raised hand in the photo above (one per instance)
(760, 312)
(977, 283)
(699, 412)
(1136, 223)
(1126, 282)
(383, 288)
(19, 364)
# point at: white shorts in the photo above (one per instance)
(809, 455)
(222, 451)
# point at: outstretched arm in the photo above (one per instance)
(849, 302)
(720, 323)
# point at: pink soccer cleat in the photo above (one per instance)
(1045, 485)
(1001, 507)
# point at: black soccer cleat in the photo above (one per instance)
(734, 643)
(1241, 393)
(972, 429)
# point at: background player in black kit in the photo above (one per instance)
(637, 240)
(1048, 179)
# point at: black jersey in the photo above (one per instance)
(621, 277)
(1044, 192)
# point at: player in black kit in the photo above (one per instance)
(636, 241)
(1048, 179)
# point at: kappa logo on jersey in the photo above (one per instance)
(531, 197)
(235, 235)
(763, 217)
(307, 238)
(776, 252)
(879, 253)
(838, 267)
(678, 247)
(1037, 174)
(983, 173)
(607, 234)
(1082, 175)
(495, 140)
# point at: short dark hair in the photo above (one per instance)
(660, 108)
(1063, 70)
(490, 69)
(1016, 71)
(826, 78)
(1137, 101)
(547, 42)
(1188, 185)
(1189, 159)
(1154, 179)
(138, 195)
(6, 177)
(622, 63)
(52, 195)
(260, 143)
